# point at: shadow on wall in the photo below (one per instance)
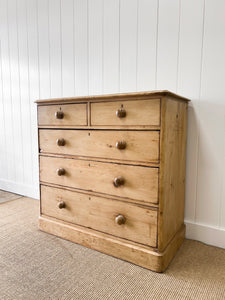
(205, 176)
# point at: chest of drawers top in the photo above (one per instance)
(120, 111)
(112, 173)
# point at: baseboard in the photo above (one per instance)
(19, 188)
(210, 235)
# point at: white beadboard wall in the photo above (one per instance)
(60, 48)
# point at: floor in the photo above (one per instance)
(5, 196)
(36, 265)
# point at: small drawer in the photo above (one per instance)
(62, 115)
(126, 113)
(127, 181)
(121, 219)
(123, 145)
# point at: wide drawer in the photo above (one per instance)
(140, 183)
(126, 113)
(101, 214)
(123, 145)
(62, 115)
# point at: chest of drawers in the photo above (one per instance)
(112, 173)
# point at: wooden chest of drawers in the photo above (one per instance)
(112, 173)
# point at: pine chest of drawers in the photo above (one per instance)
(112, 173)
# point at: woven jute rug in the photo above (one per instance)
(5, 196)
(36, 265)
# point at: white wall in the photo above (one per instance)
(53, 48)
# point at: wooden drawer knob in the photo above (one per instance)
(120, 219)
(121, 113)
(61, 204)
(121, 145)
(60, 142)
(118, 181)
(60, 171)
(59, 115)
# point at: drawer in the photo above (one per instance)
(101, 214)
(62, 115)
(126, 113)
(140, 183)
(139, 145)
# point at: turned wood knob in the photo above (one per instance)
(61, 204)
(121, 145)
(59, 115)
(121, 113)
(120, 219)
(118, 181)
(60, 171)
(60, 142)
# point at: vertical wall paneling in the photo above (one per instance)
(3, 165)
(211, 116)
(8, 175)
(128, 45)
(32, 35)
(44, 49)
(67, 32)
(111, 47)
(55, 47)
(146, 44)
(81, 47)
(222, 202)
(15, 86)
(190, 48)
(95, 42)
(59, 48)
(25, 113)
(2, 121)
(189, 76)
(167, 48)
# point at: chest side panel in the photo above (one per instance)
(172, 169)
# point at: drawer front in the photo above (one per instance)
(126, 113)
(139, 145)
(101, 214)
(62, 115)
(140, 183)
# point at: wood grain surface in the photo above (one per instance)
(172, 169)
(75, 114)
(138, 113)
(141, 183)
(100, 214)
(140, 145)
